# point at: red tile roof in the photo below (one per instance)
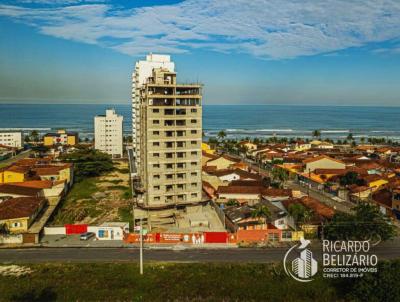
(12, 189)
(276, 192)
(48, 171)
(18, 169)
(246, 183)
(209, 155)
(20, 207)
(383, 197)
(239, 190)
(40, 184)
(318, 207)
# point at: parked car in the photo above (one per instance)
(87, 235)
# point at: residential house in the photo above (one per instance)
(207, 148)
(55, 172)
(61, 137)
(207, 157)
(249, 194)
(18, 214)
(273, 194)
(375, 181)
(11, 190)
(321, 213)
(249, 146)
(14, 173)
(242, 219)
(359, 193)
(230, 175)
(321, 145)
(52, 190)
(222, 162)
(302, 146)
(278, 218)
(384, 200)
(322, 162)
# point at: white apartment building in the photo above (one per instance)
(108, 133)
(11, 139)
(143, 70)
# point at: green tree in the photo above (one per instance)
(350, 137)
(375, 287)
(351, 178)
(88, 162)
(34, 136)
(279, 175)
(362, 140)
(367, 222)
(316, 134)
(261, 212)
(300, 214)
(221, 135)
(41, 149)
(232, 202)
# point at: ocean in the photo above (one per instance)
(335, 122)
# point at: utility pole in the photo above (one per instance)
(141, 247)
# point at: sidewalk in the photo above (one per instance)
(63, 241)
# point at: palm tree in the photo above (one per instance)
(280, 175)
(362, 140)
(307, 216)
(300, 214)
(261, 213)
(296, 210)
(35, 136)
(316, 134)
(221, 135)
(350, 137)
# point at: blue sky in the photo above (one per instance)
(331, 52)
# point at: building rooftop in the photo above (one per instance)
(20, 207)
(10, 188)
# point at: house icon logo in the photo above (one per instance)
(304, 267)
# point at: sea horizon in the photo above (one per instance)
(216, 104)
(238, 120)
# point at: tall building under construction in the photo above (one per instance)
(168, 133)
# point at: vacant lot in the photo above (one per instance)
(97, 199)
(161, 282)
(187, 282)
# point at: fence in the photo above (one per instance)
(11, 239)
(54, 231)
(220, 212)
(75, 229)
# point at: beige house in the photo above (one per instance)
(250, 194)
(249, 146)
(17, 214)
(322, 162)
(222, 162)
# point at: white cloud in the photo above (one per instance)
(274, 29)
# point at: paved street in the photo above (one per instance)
(384, 251)
(23, 154)
(343, 206)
